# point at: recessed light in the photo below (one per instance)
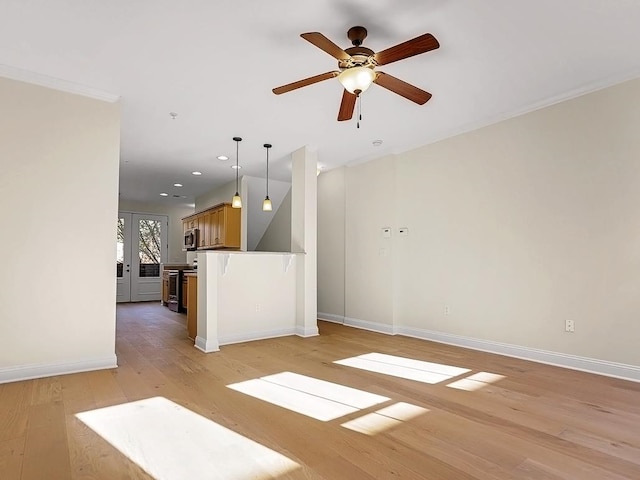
(196, 173)
(377, 143)
(236, 167)
(164, 194)
(223, 157)
(177, 184)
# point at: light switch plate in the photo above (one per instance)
(403, 231)
(386, 232)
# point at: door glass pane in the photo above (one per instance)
(149, 248)
(120, 248)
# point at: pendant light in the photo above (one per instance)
(266, 204)
(237, 201)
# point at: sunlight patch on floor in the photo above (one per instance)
(171, 442)
(418, 370)
(385, 418)
(476, 381)
(308, 396)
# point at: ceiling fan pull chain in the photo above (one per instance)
(359, 111)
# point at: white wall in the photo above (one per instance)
(256, 297)
(277, 236)
(175, 213)
(331, 243)
(258, 221)
(222, 194)
(59, 162)
(245, 296)
(516, 227)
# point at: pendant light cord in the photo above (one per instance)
(237, 151)
(267, 172)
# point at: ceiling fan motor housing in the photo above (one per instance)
(357, 35)
(360, 57)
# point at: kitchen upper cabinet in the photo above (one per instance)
(214, 226)
(218, 227)
(228, 227)
(204, 225)
(189, 223)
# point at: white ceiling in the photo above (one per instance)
(215, 63)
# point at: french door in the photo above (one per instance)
(141, 247)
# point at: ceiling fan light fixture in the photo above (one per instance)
(357, 79)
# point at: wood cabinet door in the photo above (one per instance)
(200, 225)
(231, 226)
(165, 289)
(192, 306)
(205, 234)
(215, 227)
(185, 288)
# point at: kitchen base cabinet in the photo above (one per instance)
(192, 305)
(165, 287)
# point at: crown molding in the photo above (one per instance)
(56, 83)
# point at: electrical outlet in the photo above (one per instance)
(569, 326)
(257, 307)
(447, 310)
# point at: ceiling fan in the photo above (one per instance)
(357, 68)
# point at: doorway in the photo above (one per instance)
(141, 245)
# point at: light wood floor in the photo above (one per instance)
(538, 422)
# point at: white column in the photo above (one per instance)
(207, 336)
(304, 229)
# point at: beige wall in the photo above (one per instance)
(175, 213)
(515, 227)
(370, 196)
(59, 162)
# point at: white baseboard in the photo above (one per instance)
(357, 323)
(307, 332)
(330, 317)
(28, 372)
(372, 326)
(206, 346)
(260, 335)
(573, 362)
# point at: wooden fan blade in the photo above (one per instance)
(303, 83)
(423, 43)
(403, 89)
(323, 43)
(347, 106)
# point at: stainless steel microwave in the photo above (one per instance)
(190, 239)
